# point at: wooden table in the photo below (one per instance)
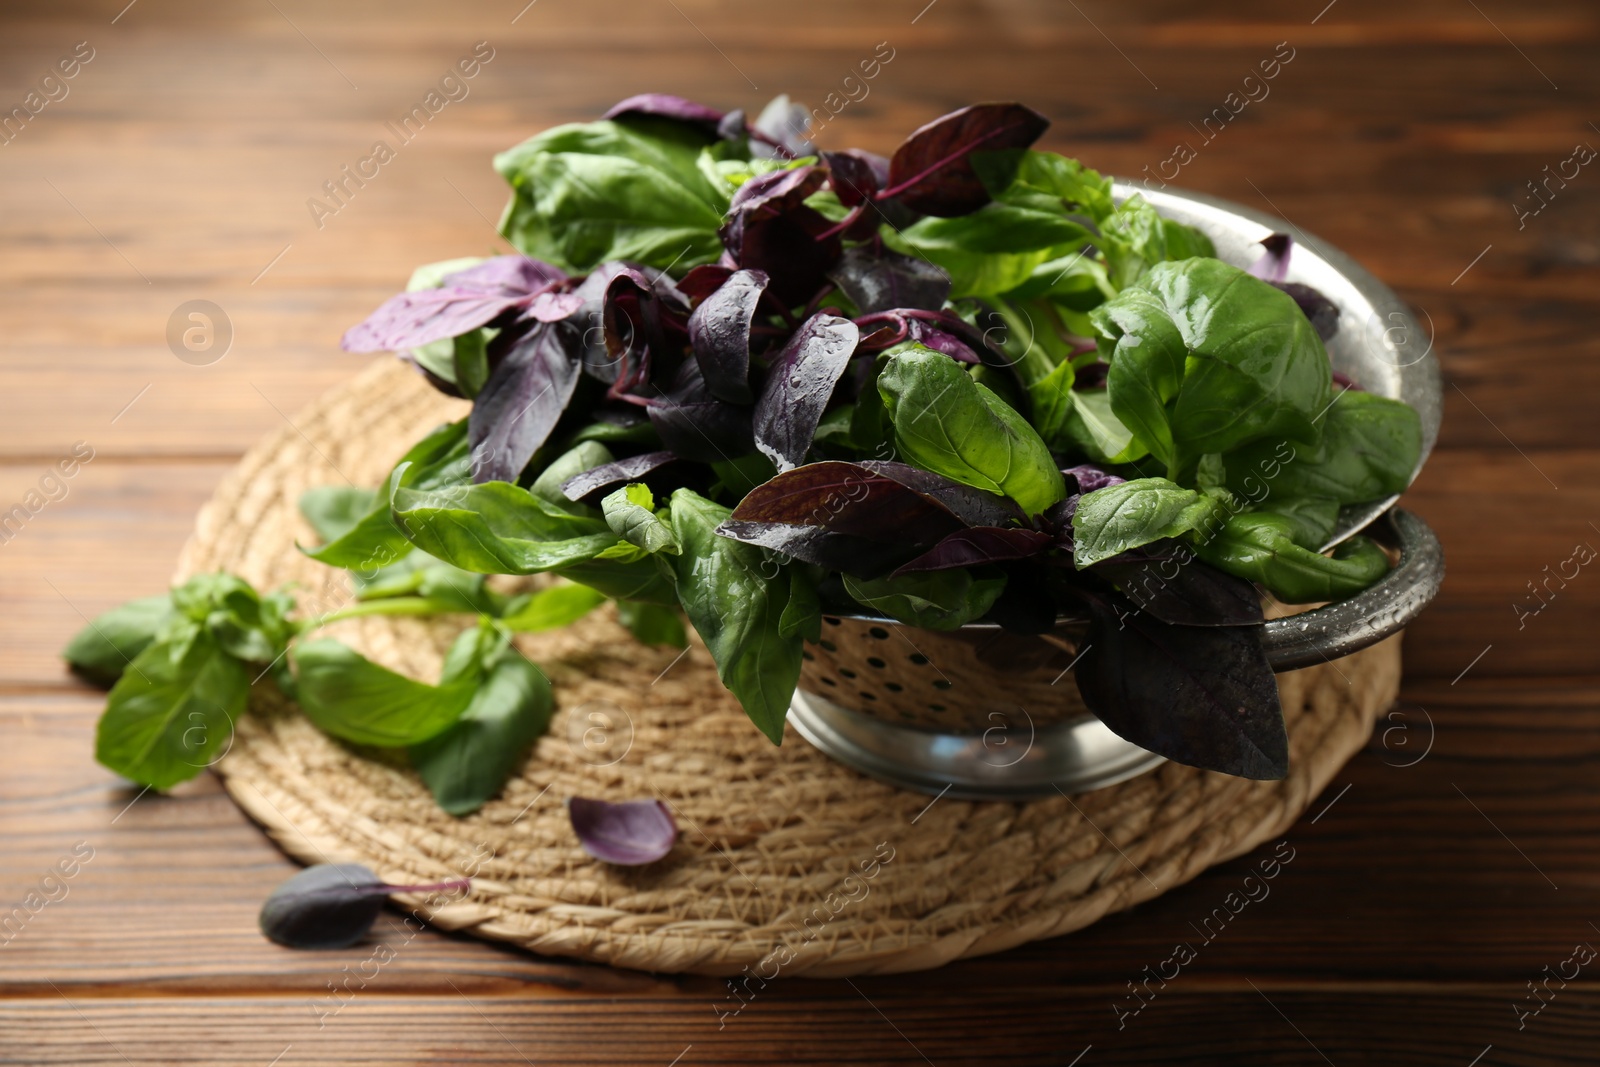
(1450, 865)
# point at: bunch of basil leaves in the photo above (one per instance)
(732, 375)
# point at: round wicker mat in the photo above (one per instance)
(787, 862)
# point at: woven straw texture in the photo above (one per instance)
(787, 862)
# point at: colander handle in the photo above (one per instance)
(1371, 615)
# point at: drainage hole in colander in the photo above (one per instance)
(868, 696)
(918, 658)
(830, 620)
(879, 632)
(942, 683)
(829, 645)
(894, 687)
(935, 707)
(874, 661)
(846, 672)
(806, 655)
(827, 681)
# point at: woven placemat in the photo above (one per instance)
(787, 862)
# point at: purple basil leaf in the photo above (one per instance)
(524, 398)
(597, 361)
(1089, 477)
(1165, 579)
(771, 229)
(1273, 266)
(855, 175)
(799, 385)
(849, 554)
(703, 280)
(780, 130)
(667, 106)
(719, 333)
(889, 280)
(411, 320)
(979, 545)
(553, 307)
(632, 833)
(776, 192)
(1204, 696)
(930, 336)
(596, 481)
(1024, 605)
(932, 170)
(332, 905)
(1323, 313)
(973, 507)
(733, 126)
(697, 426)
(508, 275)
(638, 313)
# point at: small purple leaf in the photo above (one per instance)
(977, 546)
(596, 481)
(1273, 265)
(1322, 312)
(509, 275)
(630, 834)
(524, 398)
(696, 425)
(889, 281)
(799, 385)
(553, 307)
(719, 333)
(974, 507)
(932, 170)
(855, 175)
(771, 229)
(1089, 477)
(667, 106)
(930, 336)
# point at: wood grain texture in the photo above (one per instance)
(1419, 904)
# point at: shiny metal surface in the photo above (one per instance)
(1379, 346)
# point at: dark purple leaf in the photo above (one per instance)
(469, 299)
(597, 361)
(533, 379)
(932, 170)
(1089, 477)
(696, 425)
(766, 196)
(666, 106)
(1204, 696)
(1323, 313)
(889, 280)
(979, 545)
(1165, 579)
(597, 481)
(632, 833)
(510, 275)
(332, 905)
(771, 229)
(702, 281)
(1273, 266)
(859, 557)
(639, 313)
(780, 130)
(930, 336)
(553, 307)
(973, 507)
(719, 334)
(799, 385)
(733, 126)
(1024, 605)
(855, 175)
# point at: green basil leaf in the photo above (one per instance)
(1110, 521)
(1205, 358)
(933, 600)
(735, 603)
(1369, 450)
(1312, 520)
(1094, 428)
(554, 607)
(348, 696)
(585, 455)
(173, 709)
(647, 580)
(468, 764)
(374, 541)
(802, 615)
(1052, 400)
(1135, 238)
(653, 624)
(1260, 547)
(102, 650)
(497, 528)
(630, 513)
(334, 510)
(947, 423)
(585, 194)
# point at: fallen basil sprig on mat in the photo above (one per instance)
(731, 375)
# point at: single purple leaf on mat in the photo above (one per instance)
(1322, 312)
(1273, 263)
(799, 385)
(719, 333)
(1089, 477)
(596, 481)
(932, 170)
(1204, 696)
(855, 175)
(524, 398)
(631, 833)
(979, 545)
(695, 425)
(889, 280)
(667, 106)
(332, 905)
